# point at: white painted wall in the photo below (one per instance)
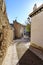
(37, 29)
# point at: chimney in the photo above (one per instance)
(35, 7)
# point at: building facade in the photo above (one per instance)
(19, 29)
(37, 26)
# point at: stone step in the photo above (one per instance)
(38, 52)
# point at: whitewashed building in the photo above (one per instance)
(37, 26)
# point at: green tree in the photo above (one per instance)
(28, 28)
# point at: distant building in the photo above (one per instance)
(19, 29)
(12, 28)
(37, 26)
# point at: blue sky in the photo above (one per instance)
(20, 9)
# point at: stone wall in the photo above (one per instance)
(6, 33)
(19, 29)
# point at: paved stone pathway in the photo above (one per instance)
(20, 54)
(11, 57)
(14, 58)
(26, 56)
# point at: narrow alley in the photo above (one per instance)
(20, 54)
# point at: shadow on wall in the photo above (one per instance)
(29, 58)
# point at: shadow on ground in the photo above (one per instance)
(29, 58)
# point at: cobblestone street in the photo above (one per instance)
(19, 54)
(12, 56)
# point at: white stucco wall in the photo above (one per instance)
(37, 29)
